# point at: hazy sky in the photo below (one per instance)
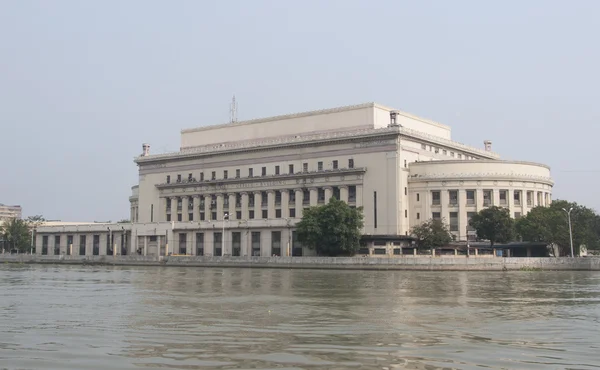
(84, 83)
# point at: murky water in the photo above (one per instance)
(193, 318)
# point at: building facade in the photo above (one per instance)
(8, 212)
(240, 188)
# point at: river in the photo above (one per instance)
(78, 317)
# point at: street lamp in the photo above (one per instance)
(225, 217)
(570, 229)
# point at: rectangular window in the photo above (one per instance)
(487, 198)
(250, 172)
(213, 215)
(265, 214)
(418, 216)
(277, 170)
(218, 243)
(320, 166)
(236, 243)
(190, 177)
(202, 216)
(405, 163)
(423, 146)
(437, 150)
(418, 197)
(405, 213)
(470, 197)
(237, 173)
(238, 215)
(517, 197)
(452, 154)
(469, 216)
(296, 245)
(182, 243)
(213, 175)
(436, 215)
(199, 244)
(255, 243)
(405, 190)
(178, 178)
(459, 156)
(292, 213)
(45, 245)
(201, 176)
(82, 243)
(351, 194)
(335, 165)
(375, 209)
(350, 163)
(225, 173)
(168, 179)
(444, 152)
(57, 244)
(276, 243)
(168, 217)
(263, 171)
(304, 167)
(179, 217)
(453, 221)
(453, 195)
(251, 214)
(291, 168)
(436, 198)
(503, 197)
(96, 245)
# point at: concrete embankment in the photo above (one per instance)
(330, 263)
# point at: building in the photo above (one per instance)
(8, 212)
(239, 188)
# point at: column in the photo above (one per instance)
(231, 206)
(174, 210)
(479, 199)
(299, 206)
(220, 206)
(496, 197)
(359, 196)
(444, 203)
(257, 205)
(207, 201)
(162, 210)
(285, 204)
(462, 214)
(523, 202)
(344, 193)
(196, 210)
(328, 193)
(184, 208)
(511, 202)
(314, 196)
(103, 242)
(271, 204)
(244, 206)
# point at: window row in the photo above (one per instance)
(450, 153)
(256, 248)
(81, 246)
(542, 198)
(277, 170)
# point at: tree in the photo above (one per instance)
(493, 224)
(35, 221)
(551, 225)
(333, 229)
(432, 233)
(123, 221)
(15, 233)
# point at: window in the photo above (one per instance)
(517, 215)
(350, 163)
(277, 170)
(168, 217)
(291, 168)
(530, 198)
(213, 175)
(435, 198)
(517, 197)
(238, 215)
(265, 214)
(405, 164)
(351, 193)
(436, 215)
(190, 216)
(487, 198)
(82, 243)
(263, 171)
(277, 213)
(292, 213)
(335, 165)
(453, 194)
(437, 150)
(405, 190)
(236, 243)
(200, 244)
(57, 244)
(178, 178)
(250, 172)
(423, 146)
(225, 173)
(418, 197)
(405, 213)
(375, 209)
(444, 152)
(213, 215)
(452, 154)
(453, 221)
(255, 243)
(470, 197)
(189, 177)
(320, 166)
(182, 243)
(251, 214)
(418, 216)
(296, 245)
(237, 173)
(459, 156)
(202, 216)
(201, 176)
(469, 217)
(96, 245)
(45, 244)
(276, 243)
(304, 167)
(218, 244)
(179, 217)
(168, 179)
(503, 197)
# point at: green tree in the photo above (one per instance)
(493, 224)
(551, 225)
(333, 229)
(432, 233)
(15, 234)
(35, 221)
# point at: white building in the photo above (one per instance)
(8, 212)
(239, 188)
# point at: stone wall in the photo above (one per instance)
(357, 263)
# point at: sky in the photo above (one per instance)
(84, 83)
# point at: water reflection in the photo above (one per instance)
(193, 318)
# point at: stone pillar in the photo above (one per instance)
(359, 196)
(511, 202)
(328, 193)
(257, 205)
(344, 193)
(162, 210)
(285, 204)
(479, 199)
(244, 205)
(462, 214)
(523, 202)
(207, 201)
(314, 197)
(271, 204)
(184, 208)
(196, 210)
(103, 243)
(299, 205)
(444, 204)
(231, 206)
(174, 210)
(496, 197)
(220, 211)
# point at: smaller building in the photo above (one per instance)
(8, 212)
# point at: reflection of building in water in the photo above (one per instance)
(239, 188)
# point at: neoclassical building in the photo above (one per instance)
(239, 188)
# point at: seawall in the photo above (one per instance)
(330, 263)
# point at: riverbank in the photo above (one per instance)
(325, 263)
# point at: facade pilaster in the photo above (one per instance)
(285, 203)
(162, 213)
(344, 193)
(479, 199)
(444, 203)
(174, 209)
(196, 210)
(184, 208)
(496, 197)
(299, 195)
(462, 214)
(220, 212)
(257, 204)
(244, 206)
(359, 196)
(231, 210)
(511, 202)
(314, 196)
(328, 193)
(271, 204)
(207, 210)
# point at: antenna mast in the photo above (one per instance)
(233, 111)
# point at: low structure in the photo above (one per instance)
(240, 188)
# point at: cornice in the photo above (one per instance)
(486, 176)
(472, 161)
